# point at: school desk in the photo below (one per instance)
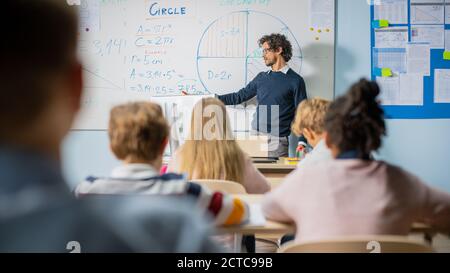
(274, 170)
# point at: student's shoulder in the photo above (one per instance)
(400, 175)
(304, 172)
(246, 158)
(86, 185)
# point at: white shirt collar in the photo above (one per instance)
(134, 171)
(284, 70)
(321, 145)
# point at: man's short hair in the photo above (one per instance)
(137, 130)
(38, 45)
(275, 41)
(310, 115)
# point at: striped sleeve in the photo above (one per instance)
(226, 209)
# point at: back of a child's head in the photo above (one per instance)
(355, 121)
(208, 112)
(137, 130)
(211, 151)
(310, 115)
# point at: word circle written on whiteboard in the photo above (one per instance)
(156, 10)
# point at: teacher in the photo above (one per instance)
(278, 92)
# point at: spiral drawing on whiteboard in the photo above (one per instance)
(228, 54)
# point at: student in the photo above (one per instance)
(354, 194)
(216, 156)
(41, 89)
(138, 134)
(309, 122)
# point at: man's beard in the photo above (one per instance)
(268, 63)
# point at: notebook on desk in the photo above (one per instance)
(256, 218)
(265, 160)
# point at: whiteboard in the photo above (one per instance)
(150, 50)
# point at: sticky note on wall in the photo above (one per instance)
(386, 72)
(380, 23)
(383, 72)
(447, 55)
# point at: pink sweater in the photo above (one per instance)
(254, 182)
(355, 197)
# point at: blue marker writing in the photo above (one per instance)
(156, 10)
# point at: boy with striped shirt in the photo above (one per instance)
(138, 134)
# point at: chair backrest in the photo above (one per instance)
(359, 244)
(225, 186)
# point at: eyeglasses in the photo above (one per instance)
(266, 50)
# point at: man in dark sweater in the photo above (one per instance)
(278, 93)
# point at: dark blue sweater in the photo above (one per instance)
(272, 88)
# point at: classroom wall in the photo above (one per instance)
(420, 146)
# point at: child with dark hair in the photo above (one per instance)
(354, 194)
(355, 122)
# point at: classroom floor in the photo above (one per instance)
(441, 244)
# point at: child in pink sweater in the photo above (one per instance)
(354, 194)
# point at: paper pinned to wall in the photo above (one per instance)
(393, 58)
(427, 12)
(404, 89)
(395, 11)
(447, 11)
(392, 37)
(321, 13)
(433, 34)
(390, 89)
(447, 39)
(411, 90)
(442, 86)
(418, 58)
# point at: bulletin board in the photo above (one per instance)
(409, 57)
